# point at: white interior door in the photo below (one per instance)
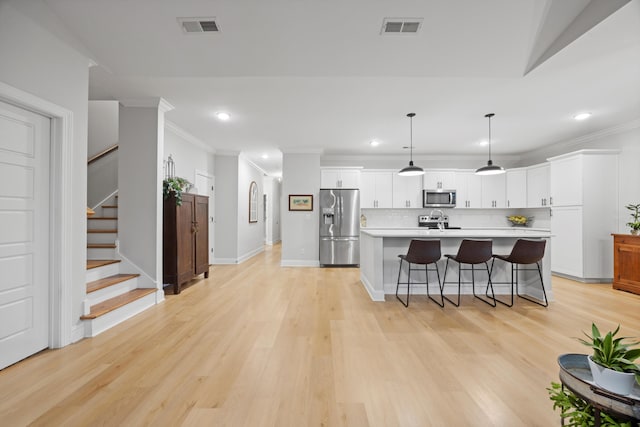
(24, 233)
(205, 184)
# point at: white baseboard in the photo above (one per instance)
(77, 332)
(250, 254)
(373, 294)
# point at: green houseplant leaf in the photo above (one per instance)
(175, 185)
(613, 352)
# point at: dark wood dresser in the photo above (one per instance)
(185, 242)
(626, 262)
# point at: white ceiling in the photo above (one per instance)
(318, 75)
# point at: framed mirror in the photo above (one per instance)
(253, 202)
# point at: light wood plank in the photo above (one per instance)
(261, 345)
(114, 303)
(105, 282)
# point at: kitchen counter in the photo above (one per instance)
(380, 247)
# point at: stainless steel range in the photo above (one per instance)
(435, 220)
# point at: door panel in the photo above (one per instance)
(24, 233)
(184, 221)
(202, 235)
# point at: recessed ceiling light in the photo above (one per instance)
(223, 116)
(582, 116)
(265, 156)
(374, 143)
(483, 143)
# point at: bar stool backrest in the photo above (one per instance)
(423, 251)
(474, 251)
(527, 251)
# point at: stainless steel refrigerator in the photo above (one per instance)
(339, 227)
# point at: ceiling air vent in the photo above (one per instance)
(199, 25)
(401, 25)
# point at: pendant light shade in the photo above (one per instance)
(490, 168)
(411, 170)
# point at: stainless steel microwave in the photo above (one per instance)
(439, 198)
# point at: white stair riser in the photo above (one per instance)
(101, 253)
(101, 237)
(94, 298)
(108, 211)
(101, 272)
(102, 224)
(95, 326)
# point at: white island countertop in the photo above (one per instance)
(466, 232)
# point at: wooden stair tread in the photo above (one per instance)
(111, 304)
(102, 231)
(95, 263)
(101, 245)
(108, 281)
(103, 218)
(110, 206)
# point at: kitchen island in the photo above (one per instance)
(379, 263)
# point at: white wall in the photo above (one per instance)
(102, 174)
(226, 206)
(272, 226)
(187, 154)
(141, 138)
(250, 235)
(300, 175)
(35, 61)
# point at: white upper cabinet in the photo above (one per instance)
(566, 181)
(439, 180)
(339, 178)
(517, 188)
(494, 191)
(538, 186)
(407, 191)
(468, 190)
(376, 190)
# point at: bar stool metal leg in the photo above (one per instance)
(426, 271)
(408, 284)
(545, 302)
(491, 300)
(444, 297)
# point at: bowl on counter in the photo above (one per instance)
(520, 220)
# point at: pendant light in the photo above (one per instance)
(490, 168)
(411, 170)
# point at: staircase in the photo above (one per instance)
(112, 295)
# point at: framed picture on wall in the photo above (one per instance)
(300, 202)
(253, 202)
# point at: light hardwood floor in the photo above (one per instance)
(261, 345)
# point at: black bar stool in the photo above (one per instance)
(524, 252)
(421, 252)
(471, 252)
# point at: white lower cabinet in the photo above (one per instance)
(567, 241)
(407, 191)
(376, 190)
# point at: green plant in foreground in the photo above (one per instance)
(175, 185)
(612, 352)
(576, 412)
(635, 214)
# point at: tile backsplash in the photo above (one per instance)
(395, 218)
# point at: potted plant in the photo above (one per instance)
(175, 185)
(612, 360)
(635, 214)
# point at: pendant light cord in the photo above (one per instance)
(489, 117)
(411, 137)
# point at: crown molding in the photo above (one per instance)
(569, 144)
(159, 103)
(177, 130)
(298, 150)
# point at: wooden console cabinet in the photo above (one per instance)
(626, 262)
(185, 239)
